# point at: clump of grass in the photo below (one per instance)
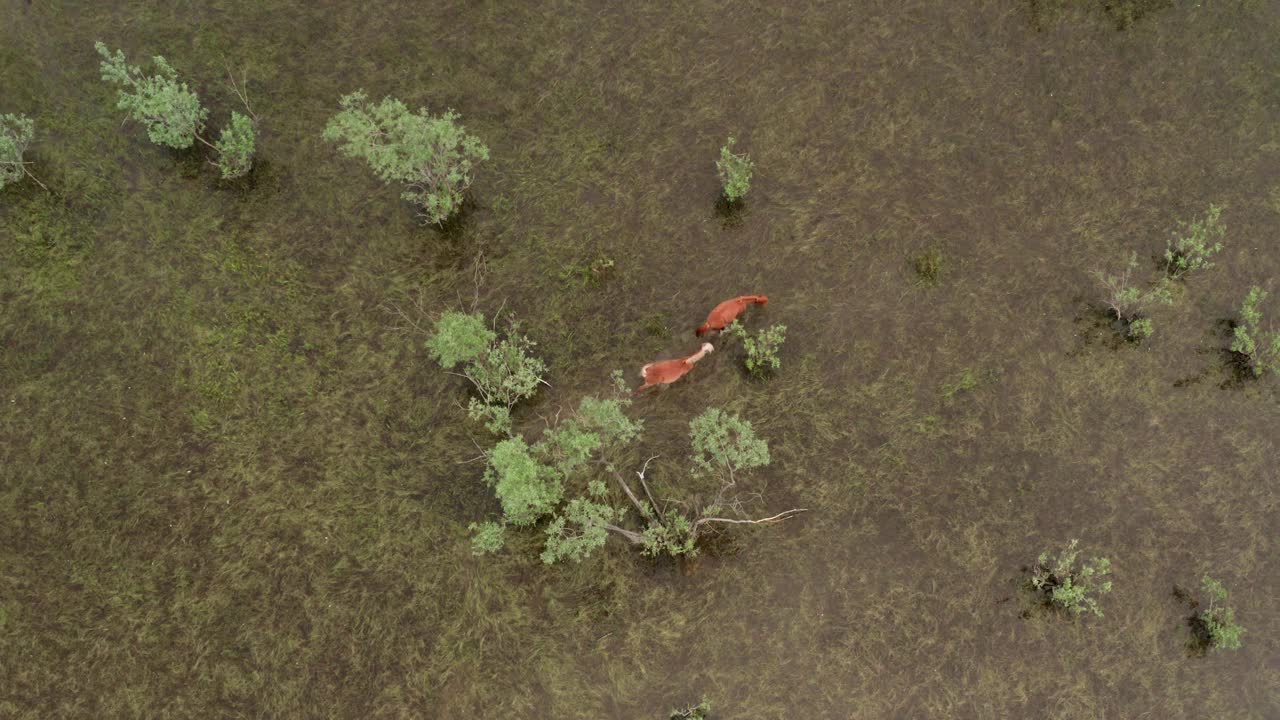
(735, 172)
(1070, 582)
(965, 381)
(589, 274)
(1127, 301)
(928, 266)
(1216, 625)
(1255, 348)
(1190, 248)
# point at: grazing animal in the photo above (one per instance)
(726, 312)
(665, 372)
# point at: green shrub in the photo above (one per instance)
(1071, 585)
(1219, 620)
(734, 171)
(761, 347)
(1191, 247)
(1127, 300)
(16, 134)
(236, 147)
(170, 111)
(1258, 348)
(432, 154)
(503, 372)
(173, 115)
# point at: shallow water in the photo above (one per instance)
(234, 485)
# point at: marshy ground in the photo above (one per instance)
(232, 484)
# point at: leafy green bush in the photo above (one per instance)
(173, 115)
(762, 347)
(1127, 301)
(928, 266)
(1067, 584)
(432, 154)
(734, 171)
(236, 147)
(1218, 620)
(170, 111)
(1191, 248)
(503, 372)
(16, 134)
(570, 475)
(1259, 349)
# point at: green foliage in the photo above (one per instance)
(236, 147)
(761, 347)
(487, 537)
(734, 171)
(1127, 300)
(1259, 348)
(1220, 620)
(16, 134)
(432, 154)
(588, 274)
(725, 442)
(1191, 248)
(578, 531)
(172, 113)
(459, 338)
(1070, 585)
(701, 711)
(526, 488)
(674, 537)
(503, 371)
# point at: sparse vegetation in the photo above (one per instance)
(432, 154)
(1194, 244)
(1070, 582)
(1218, 620)
(735, 172)
(16, 134)
(1257, 348)
(1127, 301)
(701, 711)
(761, 347)
(928, 266)
(172, 112)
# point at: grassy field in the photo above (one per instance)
(232, 483)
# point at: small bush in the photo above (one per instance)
(236, 147)
(1063, 582)
(1218, 620)
(173, 115)
(735, 172)
(701, 711)
(16, 134)
(762, 347)
(432, 154)
(1127, 301)
(1196, 242)
(503, 372)
(1258, 349)
(170, 111)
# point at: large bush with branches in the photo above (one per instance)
(432, 154)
